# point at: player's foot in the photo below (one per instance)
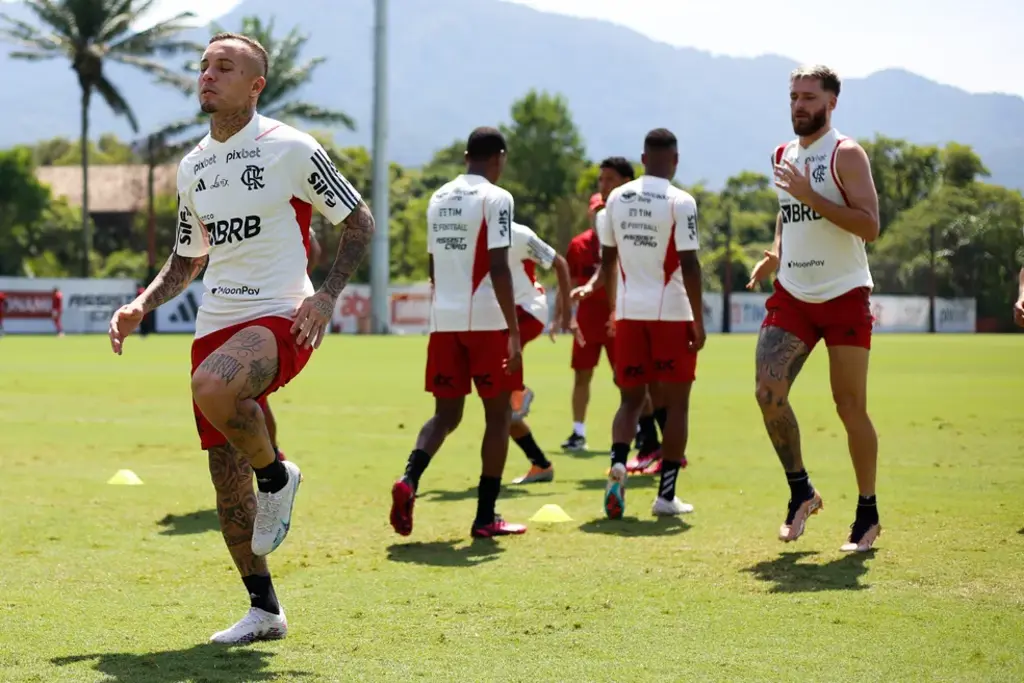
(403, 498)
(521, 402)
(615, 492)
(274, 513)
(536, 475)
(644, 460)
(575, 442)
(796, 517)
(496, 527)
(256, 625)
(670, 508)
(862, 537)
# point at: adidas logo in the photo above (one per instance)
(201, 186)
(187, 310)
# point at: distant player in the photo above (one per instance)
(527, 252)
(474, 329)
(593, 312)
(828, 210)
(1018, 309)
(268, 414)
(57, 310)
(650, 241)
(3, 309)
(246, 196)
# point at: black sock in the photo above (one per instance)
(272, 478)
(261, 593)
(620, 453)
(533, 451)
(649, 429)
(669, 474)
(800, 488)
(417, 465)
(867, 510)
(487, 496)
(661, 417)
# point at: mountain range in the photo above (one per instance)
(457, 64)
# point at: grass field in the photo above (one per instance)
(114, 583)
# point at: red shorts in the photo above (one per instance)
(595, 337)
(843, 321)
(649, 351)
(455, 358)
(529, 327)
(290, 360)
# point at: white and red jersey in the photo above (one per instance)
(526, 253)
(466, 219)
(819, 261)
(247, 204)
(650, 220)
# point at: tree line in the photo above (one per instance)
(944, 229)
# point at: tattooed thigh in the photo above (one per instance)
(243, 367)
(780, 357)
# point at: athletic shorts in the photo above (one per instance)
(843, 321)
(455, 359)
(649, 351)
(291, 358)
(595, 338)
(529, 327)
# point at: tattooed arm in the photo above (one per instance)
(355, 240)
(173, 278)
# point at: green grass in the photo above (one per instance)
(109, 583)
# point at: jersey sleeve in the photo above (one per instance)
(498, 212)
(603, 225)
(191, 240)
(534, 248)
(685, 213)
(321, 184)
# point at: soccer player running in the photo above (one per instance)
(526, 253)
(474, 329)
(828, 211)
(650, 239)
(1018, 308)
(593, 313)
(57, 310)
(246, 195)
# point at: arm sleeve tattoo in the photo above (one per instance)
(355, 239)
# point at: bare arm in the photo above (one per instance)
(314, 250)
(690, 266)
(609, 261)
(777, 242)
(861, 216)
(1020, 288)
(355, 240)
(501, 279)
(561, 267)
(178, 272)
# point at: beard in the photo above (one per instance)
(812, 125)
(208, 107)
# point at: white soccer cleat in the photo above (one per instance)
(256, 625)
(274, 513)
(670, 508)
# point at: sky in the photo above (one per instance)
(971, 44)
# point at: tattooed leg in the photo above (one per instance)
(780, 357)
(225, 385)
(236, 507)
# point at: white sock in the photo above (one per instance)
(579, 428)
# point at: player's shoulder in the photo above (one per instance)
(679, 195)
(780, 150)
(279, 134)
(583, 239)
(494, 192)
(845, 143)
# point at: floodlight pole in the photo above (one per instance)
(380, 257)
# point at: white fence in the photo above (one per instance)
(88, 305)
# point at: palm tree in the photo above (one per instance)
(88, 33)
(285, 77)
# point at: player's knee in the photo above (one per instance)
(850, 408)
(448, 417)
(208, 390)
(583, 378)
(771, 396)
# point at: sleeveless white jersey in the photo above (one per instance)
(247, 204)
(466, 219)
(818, 261)
(527, 252)
(650, 220)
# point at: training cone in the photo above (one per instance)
(125, 478)
(552, 514)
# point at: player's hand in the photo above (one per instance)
(611, 325)
(789, 178)
(515, 355)
(1018, 313)
(124, 321)
(582, 292)
(697, 337)
(765, 267)
(312, 319)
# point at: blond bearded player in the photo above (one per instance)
(828, 210)
(246, 195)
